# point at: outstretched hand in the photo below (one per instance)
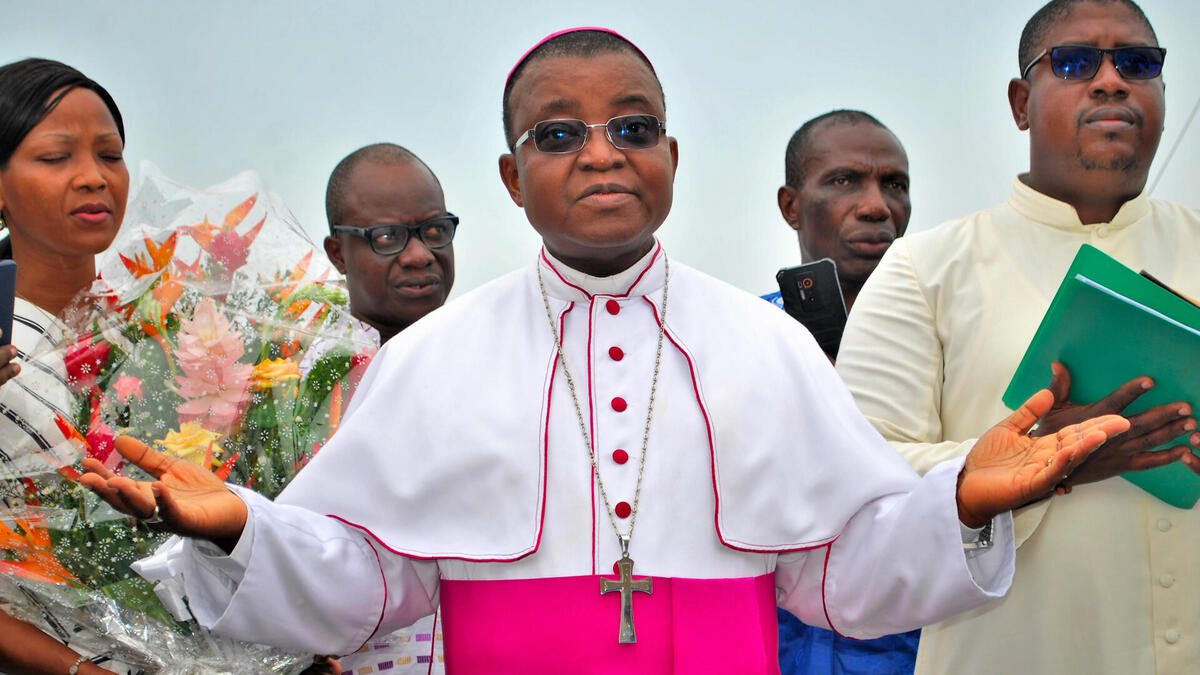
(189, 500)
(1008, 467)
(1133, 451)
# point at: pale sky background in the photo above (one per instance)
(288, 88)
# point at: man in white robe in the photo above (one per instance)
(1107, 578)
(460, 475)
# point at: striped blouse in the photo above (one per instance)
(28, 402)
(31, 443)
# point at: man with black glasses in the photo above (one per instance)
(1108, 574)
(391, 235)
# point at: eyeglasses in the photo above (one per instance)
(392, 239)
(625, 132)
(1081, 62)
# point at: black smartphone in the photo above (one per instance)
(812, 295)
(8, 292)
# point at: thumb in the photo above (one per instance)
(1031, 411)
(1060, 382)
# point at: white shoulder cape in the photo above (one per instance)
(442, 451)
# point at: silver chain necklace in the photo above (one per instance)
(626, 585)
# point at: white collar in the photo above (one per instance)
(566, 283)
(1061, 215)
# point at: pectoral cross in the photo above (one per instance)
(626, 585)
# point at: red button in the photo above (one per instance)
(615, 353)
(620, 456)
(619, 404)
(623, 509)
(613, 307)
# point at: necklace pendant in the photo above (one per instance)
(626, 586)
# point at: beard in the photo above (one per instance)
(1110, 163)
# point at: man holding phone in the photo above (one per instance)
(846, 196)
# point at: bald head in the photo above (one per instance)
(385, 186)
(377, 154)
(1051, 13)
(799, 146)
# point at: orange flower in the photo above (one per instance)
(272, 372)
(192, 269)
(224, 243)
(159, 257)
(167, 294)
(30, 544)
(286, 284)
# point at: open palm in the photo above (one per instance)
(1009, 468)
(190, 500)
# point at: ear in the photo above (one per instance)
(333, 249)
(788, 206)
(673, 146)
(1018, 101)
(511, 177)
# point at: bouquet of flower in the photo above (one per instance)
(213, 335)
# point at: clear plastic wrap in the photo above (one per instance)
(217, 335)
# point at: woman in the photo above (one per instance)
(63, 187)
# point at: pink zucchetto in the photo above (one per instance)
(567, 31)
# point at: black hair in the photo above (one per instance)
(386, 154)
(1054, 11)
(797, 147)
(27, 95)
(578, 43)
(30, 90)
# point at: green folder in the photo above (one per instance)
(1109, 324)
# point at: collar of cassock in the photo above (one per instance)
(565, 283)
(1061, 215)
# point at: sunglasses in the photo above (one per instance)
(625, 132)
(1080, 62)
(392, 239)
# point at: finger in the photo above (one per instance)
(9, 371)
(150, 460)
(108, 493)
(1030, 411)
(1152, 460)
(94, 466)
(1073, 438)
(1190, 460)
(137, 496)
(1160, 436)
(1075, 445)
(168, 506)
(93, 482)
(1123, 395)
(1112, 425)
(1160, 416)
(1060, 382)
